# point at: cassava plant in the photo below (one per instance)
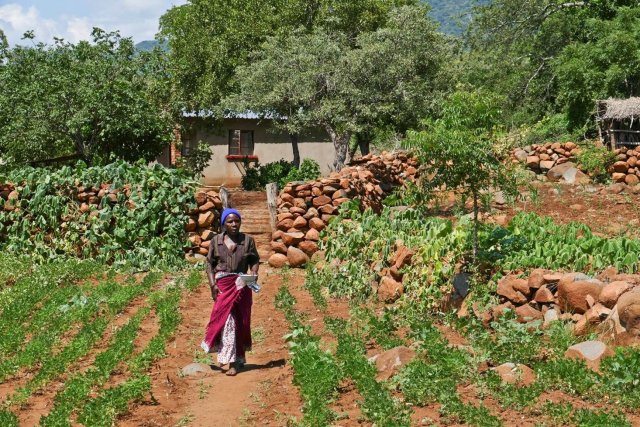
(457, 151)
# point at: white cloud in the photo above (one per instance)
(15, 21)
(140, 5)
(78, 29)
(133, 18)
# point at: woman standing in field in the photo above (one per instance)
(229, 330)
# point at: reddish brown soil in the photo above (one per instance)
(264, 394)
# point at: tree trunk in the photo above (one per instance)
(475, 227)
(81, 149)
(364, 144)
(341, 145)
(296, 150)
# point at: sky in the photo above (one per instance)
(73, 20)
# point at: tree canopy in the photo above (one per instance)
(390, 76)
(209, 39)
(553, 56)
(98, 100)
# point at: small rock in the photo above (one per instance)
(544, 295)
(391, 361)
(550, 315)
(514, 289)
(195, 370)
(536, 278)
(296, 257)
(389, 289)
(519, 375)
(277, 260)
(592, 352)
(526, 314)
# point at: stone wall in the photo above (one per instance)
(305, 208)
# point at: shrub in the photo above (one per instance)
(141, 222)
(596, 161)
(281, 172)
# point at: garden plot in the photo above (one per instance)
(77, 339)
(456, 369)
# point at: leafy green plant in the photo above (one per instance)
(315, 371)
(197, 159)
(258, 176)
(309, 170)
(589, 418)
(140, 224)
(378, 405)
(620, 375)
(458, 151)
(570, 246)
(596, 161)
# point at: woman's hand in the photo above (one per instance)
(214, 292)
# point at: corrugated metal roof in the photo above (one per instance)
(249, 115)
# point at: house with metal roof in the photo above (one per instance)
(245, 137)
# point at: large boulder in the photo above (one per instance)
(592, 352)
(391, 361)
(572, 295)
(612, 291)
(629, 311)
(567, 172)
(296, 257)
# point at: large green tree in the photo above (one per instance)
(209, 39)
(387, 77)
(527, 50)
(458, 151)
(98, 99)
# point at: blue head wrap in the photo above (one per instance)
(226, 213)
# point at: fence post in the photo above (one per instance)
(272, 197)
(224, 197)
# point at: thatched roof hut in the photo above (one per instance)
(619, 121)
(619, 109)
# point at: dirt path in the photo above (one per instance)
(261, 394)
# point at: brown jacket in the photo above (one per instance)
(220, 258)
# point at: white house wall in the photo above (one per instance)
(268, 147)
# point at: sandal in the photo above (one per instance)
(231, 372)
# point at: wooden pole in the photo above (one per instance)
(224, 197)
(272, 204)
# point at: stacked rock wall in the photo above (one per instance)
(542, 157)
(203, 223)
(608, 303)
(627, 166)
(305, 208)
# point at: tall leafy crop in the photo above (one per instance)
(142, 224)
(360, 245)
(567, 246)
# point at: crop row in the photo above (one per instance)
(103, 409)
